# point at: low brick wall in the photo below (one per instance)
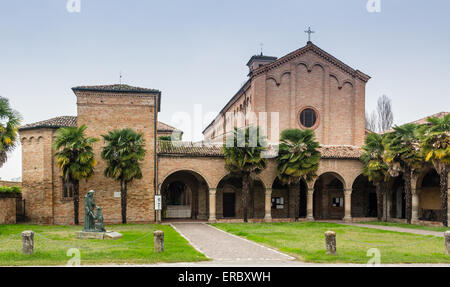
(8, 208)
(10, 183)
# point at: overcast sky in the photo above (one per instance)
(195, 51)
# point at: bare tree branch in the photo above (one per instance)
(385, 115)
(371, 121)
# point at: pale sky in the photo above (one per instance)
(195, 51)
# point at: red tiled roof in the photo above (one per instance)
(115, 88)
(71, 121)
(203, 150)
(188, 149)
(58, 122)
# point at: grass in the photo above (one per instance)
(411, 226)
(53, 242)
(305, 240)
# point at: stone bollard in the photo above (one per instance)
(158, 239)
(27, 242)
(330, 242)
(447, 242)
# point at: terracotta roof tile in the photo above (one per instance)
(115, 88)
(58, 122)
(71, 121)
(206, 150)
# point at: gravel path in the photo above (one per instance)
(224, 247)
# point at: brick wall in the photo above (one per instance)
(7, 209)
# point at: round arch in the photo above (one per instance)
(364, 197)
(229, 198)
(184, 195)
(328, 198)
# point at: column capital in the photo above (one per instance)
(416, 191)
(310, 191)
(348, 191)
(268, 191)
(212, 191)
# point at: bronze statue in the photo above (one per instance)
(99, 226)
(89, 217)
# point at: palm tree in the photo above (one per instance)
(375, 168)
(243, 158)
(75, 157)
(435, 146)
(402, 155)
(9, 126)
(298, 158)
(124, 151)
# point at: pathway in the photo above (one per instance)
(228, 249)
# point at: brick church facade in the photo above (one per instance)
(308, 88)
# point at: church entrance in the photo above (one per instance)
(185, 196)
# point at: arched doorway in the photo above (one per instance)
(229, 199)
(430, 202)
(364, 198)
(283, 200)
(329, 197)
(398, 199)
(184, 196)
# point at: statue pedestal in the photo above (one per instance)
(98, 235)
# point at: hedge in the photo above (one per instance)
(10, 189)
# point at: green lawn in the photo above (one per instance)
(305, 240)
(135, 247)
(404, 225)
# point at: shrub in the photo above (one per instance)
(10, 189)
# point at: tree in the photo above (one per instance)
(298, 158)
(371, 121)
(402, 155)
(75, 157)
(375, 168)
(243, 158)
(385, 115)
(124, 151)
(9, 126)
(435, 146)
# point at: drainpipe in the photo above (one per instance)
(156, 191)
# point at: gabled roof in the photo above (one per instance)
(71, 121)
(311, 47)
(122, 88)
(55, 123)
(162, 127)
(278, 62)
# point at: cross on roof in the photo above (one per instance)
(309, 32)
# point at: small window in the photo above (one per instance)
(277, 203)
(67, 190)
(338, 202)
(308, 118)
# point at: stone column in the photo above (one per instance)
(348, 204)
(28, 242)
(212, 204)
(309, 204)
(330, 242)
(415, 204)
(448, 198)
(268, 205)
(158, 241)
(447, 242)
